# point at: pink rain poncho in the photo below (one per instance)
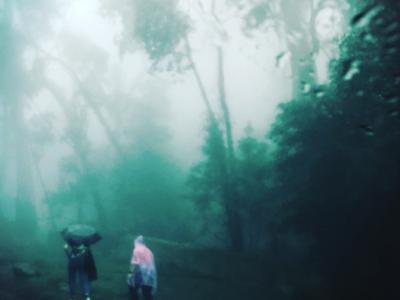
(143, 258)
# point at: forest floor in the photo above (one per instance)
(184, 272)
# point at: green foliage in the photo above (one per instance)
(254, 183)
(208, 183)
(206, 179)
(159, 26)
(337, 162)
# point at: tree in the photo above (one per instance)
(162, 29)
(18, 20)
(332, 150)
(88, 87)
(14, 121)
(255, 184)
(307, 29)
(76, 136)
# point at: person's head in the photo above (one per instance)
(139, 240)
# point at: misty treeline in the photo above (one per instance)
(320, 188)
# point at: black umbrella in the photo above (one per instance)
(80, 234)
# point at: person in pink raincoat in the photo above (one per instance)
(143, 274)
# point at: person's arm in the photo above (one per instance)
(134, 262)
(67, 250)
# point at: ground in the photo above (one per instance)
(185, 272)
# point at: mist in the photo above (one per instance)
(263, 134)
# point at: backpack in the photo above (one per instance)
(75, 251)
(78, 251)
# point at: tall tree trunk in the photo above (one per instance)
(303, 72)
(224, 105)
(87, 97)
(199, 82)
(224, 153)
(52, 217)
(95, 108)
(232, 198)
(300, 42)
(82, 156)
(4, 152)
(5, 51)
(25, 214)
(11, 73)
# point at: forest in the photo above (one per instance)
(255, 144)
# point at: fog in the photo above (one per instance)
(259, 130)
(251, 74)
(255, 84)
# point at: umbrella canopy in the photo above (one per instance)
(80, 234)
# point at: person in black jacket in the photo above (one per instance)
(80, 266)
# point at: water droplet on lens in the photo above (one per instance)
(393, 38)
(306, 87)
(280, 58)
(394, 113)
(350, 69)
(391, 50)
(319, 93)
(379, 21)
(367, 37)
(368, 130)
(391, 28)
(365, 17)
(393, 99)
